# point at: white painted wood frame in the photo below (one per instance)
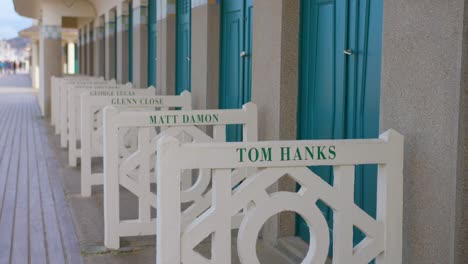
(74, 111)
(176, 240)
(56, 83)
(119, 172)
(63, 109)
(92, 132)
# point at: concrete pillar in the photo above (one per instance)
(35, 64)
(274, 86)
(89, 49)
(140, 43)
(50, 60)
(98, 47)
(110, 45)
(423, 96)
(122, 40)
(166, 47)
(70, 58)
(205, 56)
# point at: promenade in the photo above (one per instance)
(35, 222)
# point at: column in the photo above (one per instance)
(89, 49)
(274, 86)
(99, 46)
(205, 55)
(140, 43)
(166, 47)
(122, 40)
(35, 64)
(424, 97)
(71, 57)
(50, 60)
(110, 45)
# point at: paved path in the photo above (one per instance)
(15, 80)
(35, 222)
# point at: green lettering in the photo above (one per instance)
(266, 154)
(185, 119)
(285, 153)
(309, 153)
(241, 153)
(320, 153)
(153, 119)
(255, 153)
(298, 155)
(332, 151)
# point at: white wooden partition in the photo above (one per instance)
(57, 84)
(60, 95)
(92, 132)
(64, 104)
(134, 172)
(74, 110)
(176, 240)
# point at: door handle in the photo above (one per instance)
(348, 52)
(243, 54)
(188, 58)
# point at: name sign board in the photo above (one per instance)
(287, 153)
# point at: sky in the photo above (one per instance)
(10, 21)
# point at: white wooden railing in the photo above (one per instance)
(74, 110)
(57, 85)
(92, 128)
(135, 171)
(176, 239)
(64, 115)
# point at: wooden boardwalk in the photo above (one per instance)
(35, 222)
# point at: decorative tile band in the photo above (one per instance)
(122, 23)
(110, 27)
(140, 15)
(51, 32)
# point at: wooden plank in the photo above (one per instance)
(52, 230)
(9, 196)
(20, 243)
(69, 238)
(36, 223)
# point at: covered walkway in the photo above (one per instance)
(41, 210)
(35, 222)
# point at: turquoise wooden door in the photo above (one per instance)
(339, 85)
(236, 59)
(152, 20)
(183, 45)
(130, 41)
(115, 48)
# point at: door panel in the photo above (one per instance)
(183, 39)
(152, 29)
(321, 94)
(339, 94)
(235, 69)
(130, 42)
